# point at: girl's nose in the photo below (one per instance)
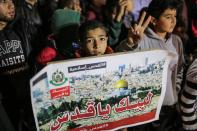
(96, 43)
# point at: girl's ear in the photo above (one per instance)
(153, 21)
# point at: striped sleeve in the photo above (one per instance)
(188, 99)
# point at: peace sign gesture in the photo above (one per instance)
(136, 32)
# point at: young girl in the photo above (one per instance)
(92, 41)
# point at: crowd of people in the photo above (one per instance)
(35, 32)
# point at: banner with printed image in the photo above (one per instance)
(108, 92)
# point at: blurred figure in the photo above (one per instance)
(94, 10)
(116, 14)
(61, 43)
(192, 25)
(17, 59)
(188, 99)
(181, 29)
(69, 12)
(70, 4)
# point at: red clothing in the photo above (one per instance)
(50, 54)
(194, 28)
(46, 55)
(94, 13)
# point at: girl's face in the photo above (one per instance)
(95, 42)
(166, 22)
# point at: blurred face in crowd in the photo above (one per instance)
(7, 10)
(98, 3)
(95, 42)
(76, 6)
(166, 22)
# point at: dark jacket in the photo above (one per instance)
(26, 31)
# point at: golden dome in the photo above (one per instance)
(121, 84)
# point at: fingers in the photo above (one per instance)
(142, 18)
(123, 3)
(145, 24)
(131, 30)
(136, 29)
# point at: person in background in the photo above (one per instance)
(46, 9)
(191, 6)
(70, 4)
(63, 42)
(64, 24)
(16, 62)
(114, 12)
(115, 16)
(188, 99)
(181, 29)
(94, 10)
(68, 11)
(158, 35)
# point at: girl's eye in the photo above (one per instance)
(89, 40)
(102, 39)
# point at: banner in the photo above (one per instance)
(108, 92)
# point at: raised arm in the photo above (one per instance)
(122, 7)
(136, 32)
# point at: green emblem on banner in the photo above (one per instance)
(58, 78)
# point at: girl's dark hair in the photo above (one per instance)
(87, 26)
(157, 7)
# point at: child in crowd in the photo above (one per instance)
(94, 10)
(71, 4)
(69, 11)
(64, 24)
(114, 12)
(158, 35)
(188, 99)
(92, 41)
